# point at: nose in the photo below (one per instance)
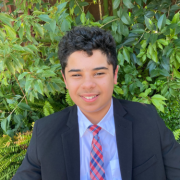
(88, 83)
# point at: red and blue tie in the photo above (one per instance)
(96, 156)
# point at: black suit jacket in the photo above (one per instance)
(147, 149)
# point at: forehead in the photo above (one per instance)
(80, 59)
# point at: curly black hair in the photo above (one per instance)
(87, 39)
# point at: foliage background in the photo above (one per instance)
(31, 86)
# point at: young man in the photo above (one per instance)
(100, 137)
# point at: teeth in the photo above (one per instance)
(90, 97)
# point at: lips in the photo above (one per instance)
(90, 98)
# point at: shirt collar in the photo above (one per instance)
(106, 123)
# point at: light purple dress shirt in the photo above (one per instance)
(108, 142)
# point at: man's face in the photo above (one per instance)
(90, 81)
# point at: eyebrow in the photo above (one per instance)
(95, 69)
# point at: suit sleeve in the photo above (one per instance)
(30, 168)
(170, 150)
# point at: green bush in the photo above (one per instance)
(148, 47)
(31, 86)
(12, 153)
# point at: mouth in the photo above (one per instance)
(90, 98)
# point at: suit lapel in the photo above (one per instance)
(71, 148)
(70, 141)
(124, 140)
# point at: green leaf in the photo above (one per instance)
(48, 73)
(173, 92)
(174, 8)
(158, 104)
(154, 56)
(153, 38)
(132, 87)
(2, 34)
(119, 12)
(65, 26)
(114, 26)
(176, 73)
(120, 27)
(6, 19)
(120, 59)
(178, 58)
(45, 17)
(149, 23)
(126, 54)
(118, 38)
(53, 25)
(128, 69)
(38, 86)
(159, 97)
(126, 19)
(22, 75)
(125, 31)
(118, 90)
(83, 3)
(17, 47)
(28, 85)
(24, 106)
(128, 4)
(138, 2)
(10, 66)
(10, 32)
(163, 42)
(140, 54)
(116, 4)
(61, 7)
(39, 29)
(83, 18)
(159, 45)
(149, 78)
(164, 89)
(28, 50)
(175, 18)
(138, 31)
(154, 73)
(169, 52)
(4, 124)
(177, 30)
(32, 47)
(128, 79)
(21, 32)
(161, 22)
(107, 19)
(164, 72)
(145, 94)
(28, 32)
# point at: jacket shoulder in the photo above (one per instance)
(139, 110)
(135, 105)
(58, 119)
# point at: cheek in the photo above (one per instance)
(73, 85)
(106, 84)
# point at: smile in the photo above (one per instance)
(90, 98)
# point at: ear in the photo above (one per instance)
(64, 80)
(116, 74)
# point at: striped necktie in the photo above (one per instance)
(96, 156)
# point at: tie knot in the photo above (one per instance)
(94, 129)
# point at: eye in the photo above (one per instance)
(76, 75)
(98, 74)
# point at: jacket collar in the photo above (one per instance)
(123, 129)
(123, 126)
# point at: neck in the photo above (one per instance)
(97, 116)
